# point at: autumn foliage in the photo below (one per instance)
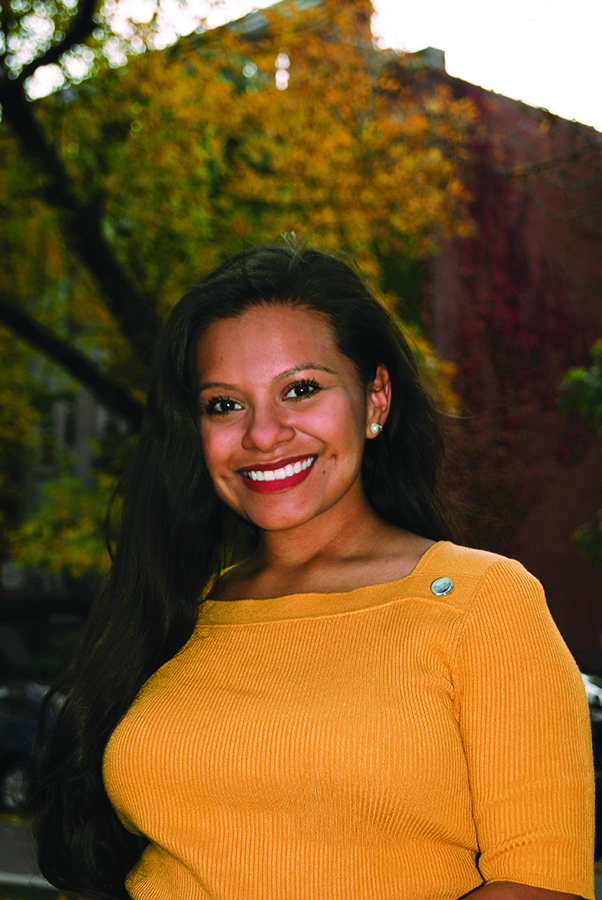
(185, 156)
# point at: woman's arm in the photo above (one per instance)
(528, 748)
(509, 890)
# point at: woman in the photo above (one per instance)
(354, 710)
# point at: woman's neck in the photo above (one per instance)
(339, 565)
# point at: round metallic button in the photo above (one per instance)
(441, 586)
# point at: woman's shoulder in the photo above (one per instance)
(470, 560)
(476, 572)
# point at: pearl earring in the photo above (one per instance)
(375, 428)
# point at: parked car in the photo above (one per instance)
(20, 703)
(593, 689)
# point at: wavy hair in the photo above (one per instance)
(176, 535)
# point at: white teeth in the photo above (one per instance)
(280, 474)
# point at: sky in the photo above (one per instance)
(544, 52)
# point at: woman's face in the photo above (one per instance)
(284, 417)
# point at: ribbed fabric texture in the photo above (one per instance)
(379, 744)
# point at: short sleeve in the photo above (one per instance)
(524, 722)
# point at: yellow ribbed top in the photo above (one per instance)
(380, 744)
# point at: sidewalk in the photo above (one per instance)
(18, 868)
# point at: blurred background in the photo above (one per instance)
(141, 143)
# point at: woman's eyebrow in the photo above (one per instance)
(302, 368)
(222, 386)
(216, 384)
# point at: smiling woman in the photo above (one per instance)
(278, 415)
(294, 685)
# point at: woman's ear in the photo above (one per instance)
(379, 401)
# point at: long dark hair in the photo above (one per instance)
(176, 535)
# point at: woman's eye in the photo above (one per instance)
(300, 389)
(221, 406)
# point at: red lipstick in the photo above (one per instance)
(277, 484)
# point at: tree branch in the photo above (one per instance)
(80, 223)
(81, 27)
(586, 185)
(551, 163)
(106, 391)
(578, 212)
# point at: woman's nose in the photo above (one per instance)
(266, 429)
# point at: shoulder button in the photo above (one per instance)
(441, 586)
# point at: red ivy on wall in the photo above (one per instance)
(518, 333)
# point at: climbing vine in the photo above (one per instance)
(518, 332)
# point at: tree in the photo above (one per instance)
(124, 187)
(581, 392)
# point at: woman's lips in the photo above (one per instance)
(280, 476)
